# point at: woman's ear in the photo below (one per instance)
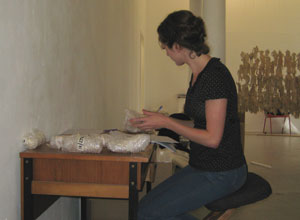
(177, 47)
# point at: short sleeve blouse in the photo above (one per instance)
(215, 82)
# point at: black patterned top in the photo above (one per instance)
(215, 82)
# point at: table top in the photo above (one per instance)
(45, 151)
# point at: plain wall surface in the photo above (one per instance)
(155, 81)
(272, 25)
(163, 79)
(64, 64)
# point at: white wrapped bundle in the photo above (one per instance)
(117, 141)
(91, 143)
(129, 114)
(33, 139)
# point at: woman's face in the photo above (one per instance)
(174, 53)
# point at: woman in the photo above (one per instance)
(217, 165)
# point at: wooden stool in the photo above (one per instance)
(270, 116)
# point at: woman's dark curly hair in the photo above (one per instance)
(185, 29)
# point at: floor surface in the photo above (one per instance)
(280, 154)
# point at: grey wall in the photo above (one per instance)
(63, 64)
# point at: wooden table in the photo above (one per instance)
(47, 174)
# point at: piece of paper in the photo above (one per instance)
(164, 141)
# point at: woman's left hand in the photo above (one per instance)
(152, 120)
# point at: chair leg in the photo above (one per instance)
(226, 215)
(219, 215)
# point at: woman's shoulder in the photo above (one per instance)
(215, 68)
(216, 63)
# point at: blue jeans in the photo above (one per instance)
(187, 190)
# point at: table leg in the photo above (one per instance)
(283, 124)
(264, 124)
(27, 196)
(149, 187)
(83, 208)
(133, 192)
(290, 125)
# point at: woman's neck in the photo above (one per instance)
(197, 65)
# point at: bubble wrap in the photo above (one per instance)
(91, 143)
(129, 114)
(33, 139)
(117, 141)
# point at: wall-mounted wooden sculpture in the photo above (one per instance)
(269, 81)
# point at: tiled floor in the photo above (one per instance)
(282, 153)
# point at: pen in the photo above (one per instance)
(160, 108)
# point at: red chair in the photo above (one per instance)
(270, 116)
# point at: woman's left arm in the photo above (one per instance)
(215, 111)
